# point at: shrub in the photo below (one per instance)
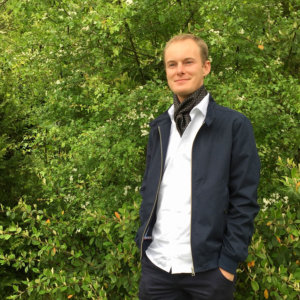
(272, 267)
(90, 255)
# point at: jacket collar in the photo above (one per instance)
(161, 119)
(210, 115)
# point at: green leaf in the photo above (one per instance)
(5, 236)
(12, 228)
(254, 285)
(16, 288)
(35, 270)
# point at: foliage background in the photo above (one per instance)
(80, 80)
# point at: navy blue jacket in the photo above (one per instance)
(225, 176)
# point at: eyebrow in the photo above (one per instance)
(186, 58)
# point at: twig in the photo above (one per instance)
(134, 51)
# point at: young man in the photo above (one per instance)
(199, 188)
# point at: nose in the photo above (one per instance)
(180, 68)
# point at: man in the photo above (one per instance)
(199, 188)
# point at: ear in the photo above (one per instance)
(206, 68)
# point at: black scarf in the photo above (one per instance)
(182, 109)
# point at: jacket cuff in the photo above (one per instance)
(227, 263)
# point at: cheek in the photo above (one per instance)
(169, 74)
(170, 78)
(171, 85)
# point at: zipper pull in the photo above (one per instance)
(193, 271)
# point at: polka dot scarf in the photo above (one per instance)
(182, 110)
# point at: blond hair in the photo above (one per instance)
(187, 36)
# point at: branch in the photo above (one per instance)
(293, 41)
(192, 12)
(135, 52)
(140, 53)
(189, 19)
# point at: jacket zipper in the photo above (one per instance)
(193, 268)
(158, 187)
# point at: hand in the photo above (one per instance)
(227, 275)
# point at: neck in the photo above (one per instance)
(180, 98)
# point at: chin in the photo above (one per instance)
(180, 91)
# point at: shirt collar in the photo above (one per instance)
(200, 107)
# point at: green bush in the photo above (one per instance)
(89, 254)
(272, 267)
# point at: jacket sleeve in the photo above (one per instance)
(243, 207)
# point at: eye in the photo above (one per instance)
(171, 65)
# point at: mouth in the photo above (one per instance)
(181, 80)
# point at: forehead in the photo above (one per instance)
(182, 49)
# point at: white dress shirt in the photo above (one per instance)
(170, 249)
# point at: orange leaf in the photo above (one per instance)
(70, 296)
(117, 215)
(48, 221)
(251, 264)
(54, 251)
(269, 223)
(278, 239)
(297, 186)
(261, 47)
(266, 294)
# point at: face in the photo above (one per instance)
(184, 68)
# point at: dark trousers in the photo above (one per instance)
(156, 284)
